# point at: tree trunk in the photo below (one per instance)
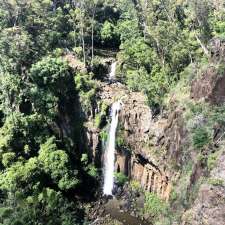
(92, 37)
(205, 50)
(83, 44)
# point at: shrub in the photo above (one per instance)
(107, 31)
(154, 206)
(99, 69)
(8, 158)
(92, 170)
(216, 181)
(173, 195)
(200, 137)
(120, 141)
(89, 168)
(98, 120)
(87, 89)
(84, 158)
(104, 135)
(135, 185)
(121, 178)
(211, 161)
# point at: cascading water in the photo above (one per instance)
(109, 156)
(110, 150)
(113, 71)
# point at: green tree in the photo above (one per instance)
(52, 83)
(57, 164)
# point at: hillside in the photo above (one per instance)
(112, 112)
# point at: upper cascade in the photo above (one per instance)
(112, 73)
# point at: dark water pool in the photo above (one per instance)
(112, 208)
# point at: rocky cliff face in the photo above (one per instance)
(158, 153)
(140, 156)
(210, 87)
(209, 207)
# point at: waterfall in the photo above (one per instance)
(110, 150)
(113, 71)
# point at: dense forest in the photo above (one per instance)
(51, 63)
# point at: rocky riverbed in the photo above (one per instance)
(125, 208)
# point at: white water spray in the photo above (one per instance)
(110, 150)
(113, 71)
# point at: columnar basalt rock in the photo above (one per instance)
(91, 141)
(151, 178)
(143, 137)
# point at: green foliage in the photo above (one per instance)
(11, 93)
(137, 53)
(135, 186)
(220, 29)
(22, 177)
(89, 168)
(87, 89)
(154, 85)
(99, 68)
(16, 47)
(173, 195)
(98, 119)
(120, 141)
(128, 29)
(216, 181)
(120, 136)
(48, 207)
(107, 31)
(121, 178)
(159, 42)
(104, 135)
(101, 115)
(8, 158)
(51, 73)
(52, 82)
(200, 137)
(19, 130)
(92, 171)
(56, 163)
(84, 158)
(154, 206)
(212, 159)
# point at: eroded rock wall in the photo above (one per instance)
(209, 207)
(152, 149)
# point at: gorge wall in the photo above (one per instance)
(159, 152)
(140, 135)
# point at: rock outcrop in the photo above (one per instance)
(209, 87)
(211, 84)
(209, 207)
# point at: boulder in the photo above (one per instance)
(209, 87)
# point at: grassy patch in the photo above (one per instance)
(216, 181)
(212, 158)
